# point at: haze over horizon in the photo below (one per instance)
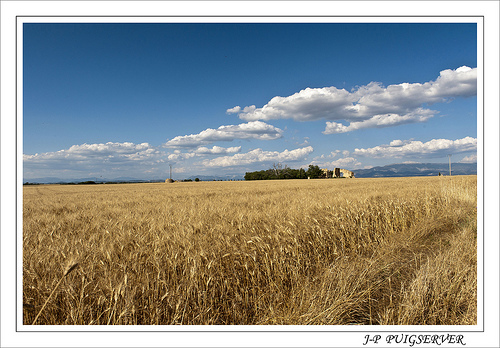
(129, 99)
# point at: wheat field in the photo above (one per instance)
(385, 251)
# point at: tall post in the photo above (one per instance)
(449, 161)
(170, 170)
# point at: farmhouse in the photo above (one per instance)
(346, 173)
(326, 173)
(337, 173)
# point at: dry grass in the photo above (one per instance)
(335, 252)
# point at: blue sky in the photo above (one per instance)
(115, 100)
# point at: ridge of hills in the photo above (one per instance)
(391, 170)
(417, 169)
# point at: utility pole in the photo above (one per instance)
(449, 161)
(170, 170)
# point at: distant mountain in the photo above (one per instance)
(217, 177)
(55, 180)
(417, 169)
(45, 180)
(391, 170)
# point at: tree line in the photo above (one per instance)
(278, 171)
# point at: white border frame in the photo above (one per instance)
(290, 337)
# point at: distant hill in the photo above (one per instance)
(216, 177)
(391, 170)
(45, 180)
(55, 180)
(417, 169)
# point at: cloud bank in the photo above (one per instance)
(469, 159)
(345, 163)
(432, 148)
(217, 150)
(259, 156)
(367, 106)
(202, 151)
(380, 121)
(251, 130)
(115, 159)
(108, 152)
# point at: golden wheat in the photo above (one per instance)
(335, 252)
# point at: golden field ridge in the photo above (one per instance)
(391, 251)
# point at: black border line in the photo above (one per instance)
(372, 327)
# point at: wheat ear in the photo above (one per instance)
(69, 268)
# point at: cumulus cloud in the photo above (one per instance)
(346, 162)
(367, 106)
(178, 156)
(469, 159)
(251, 130)
(94, 158)
(380, 121)
(217, 150)
(307, 105)
(234, 110)
(434, 147)
(108, 152)
(259, 156)
(396, 142)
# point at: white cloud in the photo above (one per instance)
(234, 110)
(336, 127)
(434, 147)
(374, 99)
(259, 156)
(367, 106)
(469, 159)
(217, 150)
(101, 152)
(94, 158)
(307, 105)
(201, 151)
(334, 153)
(380, 121)
(346, 162)
(178, 156)
(251, 130)
(305, 142)
(396, 142)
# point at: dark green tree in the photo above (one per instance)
(313, 172)
(279, 171)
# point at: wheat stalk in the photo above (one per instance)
(70, 267)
